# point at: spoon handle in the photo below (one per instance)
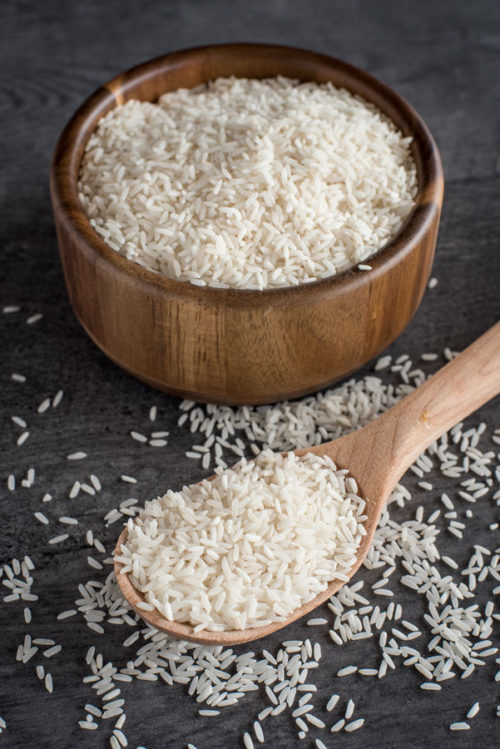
(382, 451)
(454, 392)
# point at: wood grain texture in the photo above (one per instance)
(237, 346)
(376, 456)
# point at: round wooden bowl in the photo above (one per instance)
(231, 345)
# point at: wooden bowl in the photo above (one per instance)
(232, 345)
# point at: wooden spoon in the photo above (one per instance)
(377, 456)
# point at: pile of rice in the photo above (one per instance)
(248, 183)
(422, 614)
(248, 547)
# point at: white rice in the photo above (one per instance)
(44, 405)
(67, 614)
(354, 725)
(248, 183)
(473, 711)
(58, 539)
(443, 587)
(20, 422)
(332, 702)
(460, 726)
(317, 622)
(57, 398)
(338, 726)
(249, 546)
(34, 318)
(349, 710)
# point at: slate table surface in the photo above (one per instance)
(444, 57)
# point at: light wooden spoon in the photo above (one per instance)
(377, 456)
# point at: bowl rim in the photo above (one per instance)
(66, 165)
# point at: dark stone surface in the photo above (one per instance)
(445, 58)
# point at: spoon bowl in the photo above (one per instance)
(376, 456)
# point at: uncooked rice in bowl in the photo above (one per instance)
(248, 183)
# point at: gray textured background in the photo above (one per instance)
(444, 57)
